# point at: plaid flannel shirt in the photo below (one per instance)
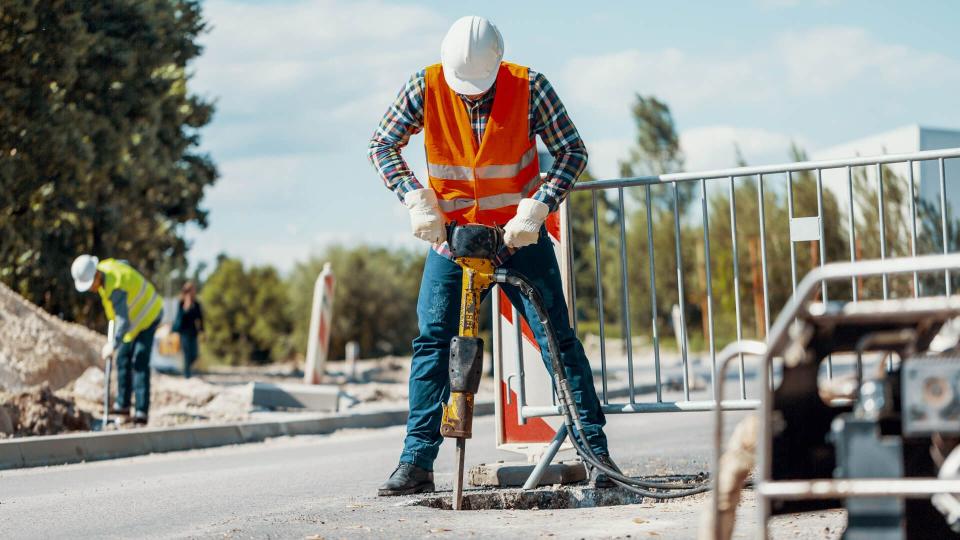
(548, 118)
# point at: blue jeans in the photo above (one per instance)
(133, 366)
(188, 344)
(438, 315)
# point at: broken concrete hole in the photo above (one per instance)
(555, 498)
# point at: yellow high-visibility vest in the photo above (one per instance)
(143, 303)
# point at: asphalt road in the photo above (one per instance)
(325, 486)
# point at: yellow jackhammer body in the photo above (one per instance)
(474, 248)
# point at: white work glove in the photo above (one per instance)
(107, 350)
(523, 229)
(425, 217)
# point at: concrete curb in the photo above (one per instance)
(79, 447)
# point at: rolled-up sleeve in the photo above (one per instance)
(552, 123)
(402, 120)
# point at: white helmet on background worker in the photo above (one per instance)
(471, 53)
(84, 270)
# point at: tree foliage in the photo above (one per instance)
(374, 303)
(246, 317)
(98, 140)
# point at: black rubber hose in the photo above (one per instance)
(569, 407)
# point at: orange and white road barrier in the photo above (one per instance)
(321, 319)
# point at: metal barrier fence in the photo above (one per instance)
(844, 173)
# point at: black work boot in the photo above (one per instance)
(599, 479)
(407, 479)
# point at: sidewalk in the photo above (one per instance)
(94, 446)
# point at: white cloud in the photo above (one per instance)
(322, 80)
(606, 83)
(704, 147)
(820, 60)
(713, 147)
(605, 155)
(824, 60)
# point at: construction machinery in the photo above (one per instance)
(880, 438)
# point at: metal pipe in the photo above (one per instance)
(521, 374)
(709, 286)
(548, 454)
(736, 282)
(681, 295)
(913, 488)
(603, 334)
(763, 255)
(573, 281)
(625, 293)
(531, 411)
(943, 223)
(913, 230)
(731, 351)
(883, 227)
(653, 296)
(851, 233)
(823, 255)
(765, 169)
(793, 249)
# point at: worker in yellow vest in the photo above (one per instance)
(135, 307)
(480, 117)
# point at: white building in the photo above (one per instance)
(908, 139)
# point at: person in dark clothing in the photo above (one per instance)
(189, 324)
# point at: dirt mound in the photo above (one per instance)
(37, 348)
(173, 400)
(39, 412)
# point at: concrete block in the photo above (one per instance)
(312, 397)
(10, 456)
(515, 473)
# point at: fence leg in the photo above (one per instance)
(534, 479)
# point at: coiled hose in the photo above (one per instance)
(640, 486)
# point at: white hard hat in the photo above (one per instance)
(471, 53)
(84, 270)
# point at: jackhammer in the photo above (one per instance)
(475, 248)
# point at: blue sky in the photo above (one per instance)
(300, 86)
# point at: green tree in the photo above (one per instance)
(656, 147)
(98, 140)
(656, 151)
(245, 314)
(375, 298)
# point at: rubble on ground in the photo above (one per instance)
(52, 381)
(37, 348)
(173, 400)
(39, 411)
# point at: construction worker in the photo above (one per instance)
(136, 309)
(480, 117)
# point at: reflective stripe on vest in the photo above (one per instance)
(143, 303)
(492, 202)
(480, 181)
(456, 172)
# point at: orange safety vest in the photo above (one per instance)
(480, 183)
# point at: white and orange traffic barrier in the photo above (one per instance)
(321, 319)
